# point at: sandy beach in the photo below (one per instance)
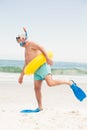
(62, 111)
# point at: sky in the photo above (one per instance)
(57, 25)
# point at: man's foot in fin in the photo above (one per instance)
(78, 92)
(36, 110)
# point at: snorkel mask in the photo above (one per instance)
(21, 43)
(22, 36)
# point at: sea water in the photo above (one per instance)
(15, 66)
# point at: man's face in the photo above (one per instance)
(21, 41)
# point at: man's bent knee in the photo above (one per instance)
(49, 80)
(50, 83)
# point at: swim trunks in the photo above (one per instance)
(42, 72)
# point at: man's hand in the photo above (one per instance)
(20, 80)
(49, 61)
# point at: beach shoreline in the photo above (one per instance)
(61, 109)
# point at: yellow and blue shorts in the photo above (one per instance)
(42, 72)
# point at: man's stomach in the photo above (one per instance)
(30, 57)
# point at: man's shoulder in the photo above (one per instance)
(28, 41)
(32, 42)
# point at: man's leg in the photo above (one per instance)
(51, 82)
(37, 88)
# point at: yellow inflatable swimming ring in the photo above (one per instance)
(36, 63)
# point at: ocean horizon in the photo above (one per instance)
(59, 67)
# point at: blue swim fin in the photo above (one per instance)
(78, 92)
(26, 111)
(30, 110)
